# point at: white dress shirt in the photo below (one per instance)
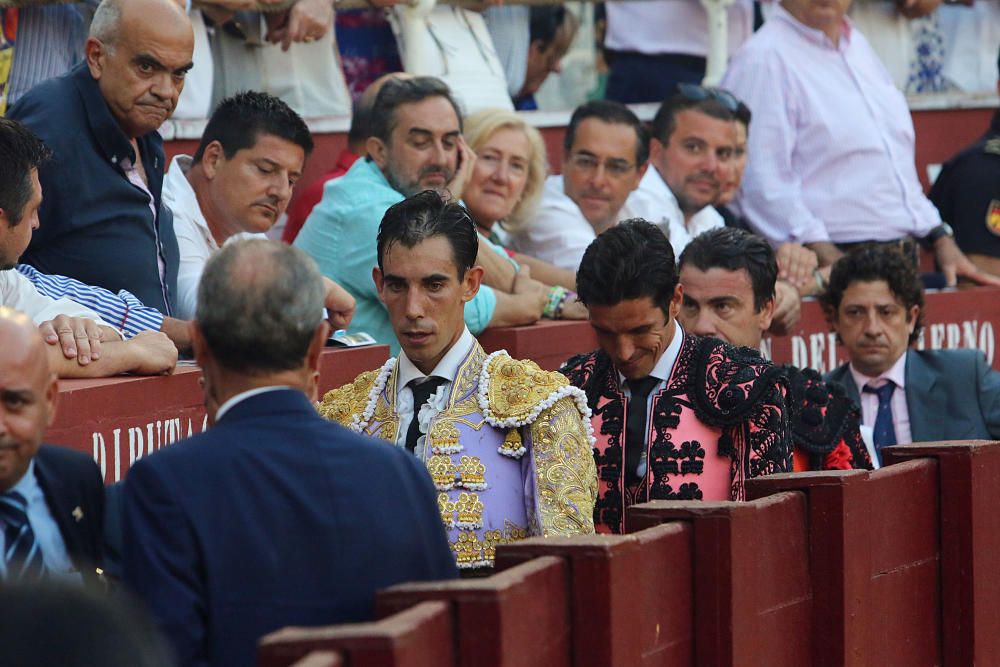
(869, 401)
(558, 234)
(47, 536)
(661, 371)
(194, 239)
(831, 145)
(672, 26)
(654, 201)
(239, 398)
(446, 369)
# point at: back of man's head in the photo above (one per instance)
(71, 626)
(632, 260)
(733, 249)
(259, 306)
(712, 102)
(426, 215)
(400, 91)
(20, 152)
(239, 121)
(612, 113)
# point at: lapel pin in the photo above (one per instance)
(77, 514)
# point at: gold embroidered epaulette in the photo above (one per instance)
(512, 392)
(344, 403)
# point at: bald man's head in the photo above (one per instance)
(139, 51)
(28, 392)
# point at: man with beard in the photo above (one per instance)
(415, 143)
(102, 190)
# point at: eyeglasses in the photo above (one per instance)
(588, 164)
(697, 93)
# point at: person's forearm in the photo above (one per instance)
(178, 332)
(826, 252)
(116, 358)
(514, 310)
(498, 272)
(550, 274)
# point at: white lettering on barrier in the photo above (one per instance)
(142, 441)
(820, 351)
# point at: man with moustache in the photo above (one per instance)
(875, 302)
(415, 143)
(604, 156)
(729, 278)
(507, 444)
(677, 416)
(102, 190)
(238, 183)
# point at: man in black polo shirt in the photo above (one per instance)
(102, 219)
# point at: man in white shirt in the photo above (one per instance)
(692, 144)
(238, 183)
(832, 151)
(605, 153)
(80, 344)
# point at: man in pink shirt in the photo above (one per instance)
(832, 150)
(875, 302)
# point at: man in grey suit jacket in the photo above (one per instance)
(875, 301)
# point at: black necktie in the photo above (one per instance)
(422, 391)
(883, 432)
(22, 556)
(635, 425)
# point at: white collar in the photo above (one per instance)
(177, 189)
(238, 398)
(665, 365)
(447, 368)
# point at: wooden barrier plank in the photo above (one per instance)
(516, 617)
(631, 595)
(549, 343)
(752, 592)
(320, 659)
(421, 636)
(970, 545)
(118, 420)
(874, 547)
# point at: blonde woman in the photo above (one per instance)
(501, 195)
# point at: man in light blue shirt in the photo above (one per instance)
(51, 498)
(416, 144)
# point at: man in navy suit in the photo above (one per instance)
(51, 498)
(274, 516)
(875, 302)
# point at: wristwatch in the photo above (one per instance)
(942, 230)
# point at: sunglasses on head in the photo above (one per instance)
(697, 93)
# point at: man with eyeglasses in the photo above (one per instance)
(605, 153)
(834, 141)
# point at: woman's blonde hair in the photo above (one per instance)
(482, 125)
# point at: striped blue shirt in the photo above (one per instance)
(122, 310)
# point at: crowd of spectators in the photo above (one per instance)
(682, 242)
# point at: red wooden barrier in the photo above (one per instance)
(874, 545)
(549, 343)
(970, 546)
(420, 636)
(118, 420)
(517, 617)
(752, 592)
(630, 595)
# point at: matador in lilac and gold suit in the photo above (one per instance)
(507, 444)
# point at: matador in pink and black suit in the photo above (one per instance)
(719, 420)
